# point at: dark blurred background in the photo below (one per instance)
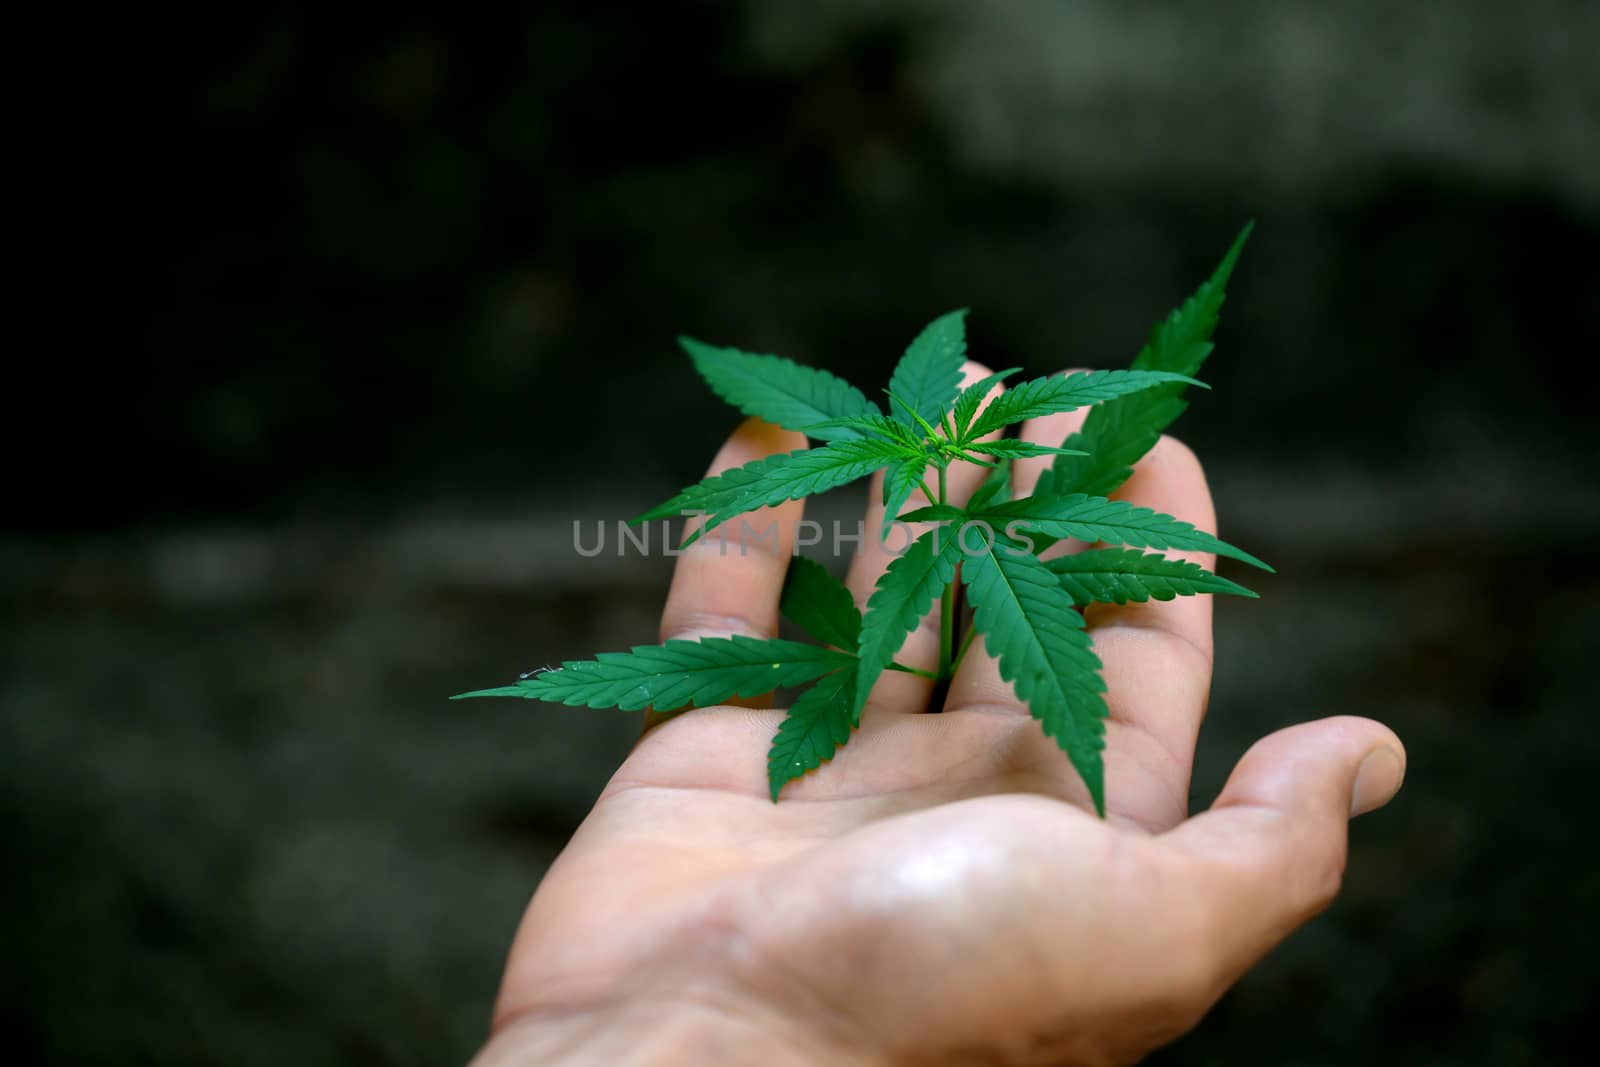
(368, 289)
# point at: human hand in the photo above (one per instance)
(941, 892)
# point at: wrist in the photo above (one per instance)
(663, 1033)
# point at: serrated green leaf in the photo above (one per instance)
(1066, 392)
(779, 390)
(1010, 449)
(678, 674)
(913, 421)
(869, 426)
(929, 374)
(1124, 575)
(819, 604)
(1114, 446)
(1040, 643)
(1118, 432)
(905, 593)
(899, 482)
(774, 479)
(1094, 518)
(972, 396)
(936, 513)
(814, 727)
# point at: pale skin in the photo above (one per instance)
(941, 892)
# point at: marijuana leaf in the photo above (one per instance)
(943, 513)
(899, 482)
(1043, 651)
(774, 479)
(813, 728)
(1115, 444)
(1094, 518)
(1064, 392)
(820, 605)
(972, 396)
(677, 674)
(928, 375)
(780, 390)
(1120, 575)
(864, 425)
(1119, 431)
(904, 594)
(1009, 449)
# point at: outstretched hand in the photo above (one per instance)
(941, 892)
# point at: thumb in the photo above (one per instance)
(1271, 851)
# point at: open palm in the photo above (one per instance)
(941, 892)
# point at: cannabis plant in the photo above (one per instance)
(1028, 609)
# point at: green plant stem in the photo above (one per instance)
(947, 612)
(961, 653)
(902, 668)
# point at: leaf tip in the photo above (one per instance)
(1260, 563)
(1222, 548)
(1225, 268)
(660, 511)
(694, 348)
(498, 691)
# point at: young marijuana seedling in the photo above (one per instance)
(1026, 608)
